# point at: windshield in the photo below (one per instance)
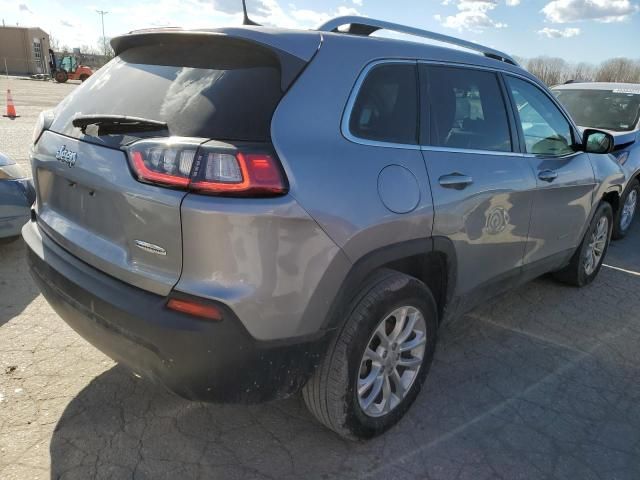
(616, 110)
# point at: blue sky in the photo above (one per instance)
(577, 30)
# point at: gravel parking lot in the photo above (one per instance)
(543, 382)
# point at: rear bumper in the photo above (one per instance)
(197, 359)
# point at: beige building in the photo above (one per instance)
(26, 50)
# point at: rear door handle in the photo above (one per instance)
(455, 180)
(548, 175)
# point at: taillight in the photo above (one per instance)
(215, 169)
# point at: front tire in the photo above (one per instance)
(376, 365)
(587, 260)
(626, 213)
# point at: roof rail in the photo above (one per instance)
(366, 26)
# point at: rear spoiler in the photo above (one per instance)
(293, 49)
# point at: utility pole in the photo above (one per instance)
(102, 13)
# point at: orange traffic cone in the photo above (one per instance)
(11, 108)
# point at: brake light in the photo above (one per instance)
(207, 168)
(256, 174)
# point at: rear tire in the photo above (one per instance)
(584, 265)
(83, 77)
(628, 206)
(332, 392)
(61, 76)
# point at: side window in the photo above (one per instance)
(467, 110)
(386, 109)
(546, 131)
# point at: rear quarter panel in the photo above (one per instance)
(334, 179)
(265, 258)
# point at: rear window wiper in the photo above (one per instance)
(114, 124)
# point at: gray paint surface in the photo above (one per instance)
(280, 263)
(96, 210)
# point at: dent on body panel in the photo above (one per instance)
(265, 260)
(484, 227)
(487, 220)
(631, 167)
(561, 208)
(608, 172)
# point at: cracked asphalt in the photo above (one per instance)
(540, 383)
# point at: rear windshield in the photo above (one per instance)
(225, 90)
(616, 110)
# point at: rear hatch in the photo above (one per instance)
(196, 87)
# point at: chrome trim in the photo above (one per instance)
(344, 128)
(429, 148)
(552, 157)
(334, 24)
(150, 247)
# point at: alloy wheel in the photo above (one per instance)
(391, 361)
(628, 209)
(597, 245)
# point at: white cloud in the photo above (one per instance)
(513, 3)
(123, 17)
(564, 11)
(472, 15)
(358, 2)
(555, 33)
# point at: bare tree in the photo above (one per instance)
(582, 72)
(550, 70)
(89, 50)
(106, 42)
(554, 71)
(54, 43)
(619, 70)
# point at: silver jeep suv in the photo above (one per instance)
(243, 213)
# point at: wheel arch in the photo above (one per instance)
(431, 260)
(612, 197)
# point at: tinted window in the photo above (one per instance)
(467, 110)
(546, 131)
(386, 108)
(223, 90)
(617, 110)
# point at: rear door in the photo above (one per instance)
(564, 176)
(203, 87)
(482, 187)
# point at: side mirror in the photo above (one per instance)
(597, 141)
